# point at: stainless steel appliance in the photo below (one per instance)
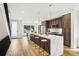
(41, 29)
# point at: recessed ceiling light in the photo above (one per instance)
(50, 5)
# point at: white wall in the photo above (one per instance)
(19, 25)
(73, 29)
(77, 28)
(3, 23)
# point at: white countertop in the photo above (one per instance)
(41, 35)
(56, 43)
(44, 35)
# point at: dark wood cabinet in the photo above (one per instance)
(47, 46)
(63, 22)
(67, 29)
(37, 40)
(60, 23)
(53, 23)
(44, 23)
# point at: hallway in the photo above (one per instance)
(17, 47)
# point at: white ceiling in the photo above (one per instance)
(39, 10)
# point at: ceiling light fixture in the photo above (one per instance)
(50, 5)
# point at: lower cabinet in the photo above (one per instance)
(53, 46)
(43, 44)
(47, 46)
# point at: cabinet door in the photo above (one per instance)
(42, 43)
(67, 29)
(60, 23)
(44, 23)
(47, 46)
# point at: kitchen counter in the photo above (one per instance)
(54, 45)
(41, 35)
(46, 36)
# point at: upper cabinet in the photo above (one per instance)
(57, 22)
(44, 23)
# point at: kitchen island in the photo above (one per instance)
(53, 44)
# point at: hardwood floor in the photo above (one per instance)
(70, 52)
(25, 47)
(21, 47)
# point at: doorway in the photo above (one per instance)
(14, 30)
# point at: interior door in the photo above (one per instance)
(14, 29)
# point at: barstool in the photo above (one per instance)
(43, 41)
